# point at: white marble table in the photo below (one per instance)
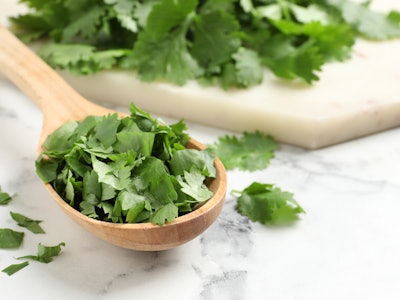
(347, 246)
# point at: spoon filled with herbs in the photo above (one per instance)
(131, 180)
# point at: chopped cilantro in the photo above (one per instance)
(267, 204)
(126, 170)
(14, 268)
(45, 254)
(251, 151)
(28, 223)
(225, 42)
(10, 239)
(5, 198)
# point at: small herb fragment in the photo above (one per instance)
(28, 223)
(251, 151)
(14, 268)
(5, 198)
(268, 204)
(10, 239)
(45, 254)
(126, 170)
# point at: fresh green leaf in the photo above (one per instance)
(216, 38)
(249, 71)
(186, 159)
(80, 58)
(193, 185)
(166, 213)
(251, 151)
(268, 204)
(10, 239)
(106, 130)
(116, 175)
(5, 198)
(14, 268)
(45, 254)
(152, 175)
(28, 223)
(162, 58)
(46, 168)
(62, 138)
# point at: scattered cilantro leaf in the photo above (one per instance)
(28, 223)
(251, 151)
(214, 42)
(14, 268)
(45, 254)
(268, 204)
(5, 198)
(10, 239)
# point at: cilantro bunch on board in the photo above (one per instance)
(222, 42)
(126, 170)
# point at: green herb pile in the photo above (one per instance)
(222, 42)
(126, 170)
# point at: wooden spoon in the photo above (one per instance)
(59, 103)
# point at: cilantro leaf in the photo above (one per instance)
(45, 254)
(152, 175)
(62, 138)
(162, 58)
(14, 268)
(251, 151)
(216, 38)
(28, 223)
(161, 50)
(249, 71)
(86, 26)
(193, 185)
(186, 159)
(10, 239)
(267, 204)
(5, 198)
(166, 213)
(80, 58)
(106, 130)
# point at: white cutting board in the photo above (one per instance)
(352, 99)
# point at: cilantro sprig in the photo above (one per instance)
(268, 204)
(126, 170)
(226, 42)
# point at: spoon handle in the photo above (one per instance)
(58, 101)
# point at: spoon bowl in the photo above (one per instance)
(59, 103)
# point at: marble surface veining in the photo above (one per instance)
(347, 246)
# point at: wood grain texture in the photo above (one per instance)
(60, 103)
